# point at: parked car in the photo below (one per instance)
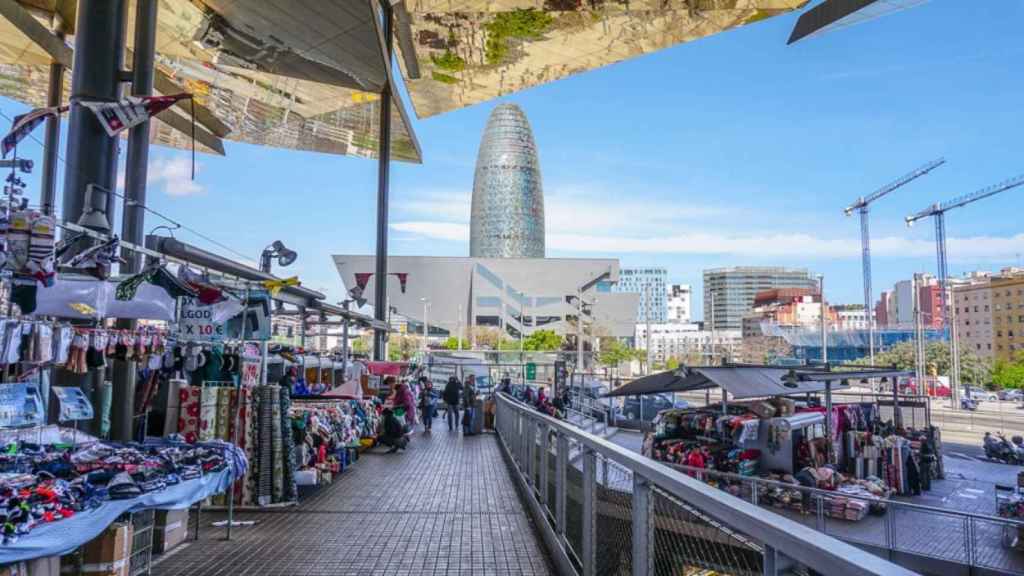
(1012, 395)
(652, 405)
(981, 395)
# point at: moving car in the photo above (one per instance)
(1011, 395)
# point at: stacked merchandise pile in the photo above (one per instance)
(325, 433)
(707, 439)
(41, 483)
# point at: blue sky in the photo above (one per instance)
(733, 150)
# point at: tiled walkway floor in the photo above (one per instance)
(445, 506)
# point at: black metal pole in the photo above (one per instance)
(91, 153)
(54, 95)
(380, 293)
(91, 156)
(133, 222)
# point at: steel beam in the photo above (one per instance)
(380, 299)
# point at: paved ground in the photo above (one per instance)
(446, 506)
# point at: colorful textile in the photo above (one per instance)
(24, 124)
(207, 414)
(189, 414)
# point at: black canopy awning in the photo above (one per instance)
(749, 381)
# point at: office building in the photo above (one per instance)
(895, 308)
(688, 343)
(507, 217)
(733, 291)
(650, 284)
(972, 302)
(1008, 314)
(851, 317)
(679, 302)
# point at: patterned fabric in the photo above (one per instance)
(246, 439)
(277, 493)
(265, 446)
(290, 490)
(188, 416)
(225, 416)
(207, 414)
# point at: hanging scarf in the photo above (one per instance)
(24, 124)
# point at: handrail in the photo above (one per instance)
(820, 492)
(794, 540)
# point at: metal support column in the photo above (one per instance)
(589, 516)
(133, 221)
(828, 421)
(91, 156)
(344, 340)
(380, 293)
(643, 528)
(48, 182)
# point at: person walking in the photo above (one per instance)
(468, 404)
(450, 396)
(427, 403)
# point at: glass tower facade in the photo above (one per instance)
(508, 199)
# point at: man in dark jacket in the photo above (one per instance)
(451, 401)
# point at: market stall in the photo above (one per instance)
(776, 426)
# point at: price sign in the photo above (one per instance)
(251, 372)
(197, 323)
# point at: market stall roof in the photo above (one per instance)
(747, 381)
(299, 74)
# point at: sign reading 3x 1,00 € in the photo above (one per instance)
(197, 323)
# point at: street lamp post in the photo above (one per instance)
(426, 326)
(824, 319)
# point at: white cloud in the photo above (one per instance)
(978, 248)
(596, 222)
(435, 230)
(175, 176)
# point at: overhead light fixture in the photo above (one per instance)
(94, 212)
(284, 255)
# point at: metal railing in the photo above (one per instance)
(605, 510)
(892, 526)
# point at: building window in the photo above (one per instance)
(488, 321)
(488, 302)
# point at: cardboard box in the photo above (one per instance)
(49, 566)
(109, 553)
(16, 569)
(171, 529)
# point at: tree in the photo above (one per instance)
(974, 370)
(402, 347)
(1009, 373)
(614, 352)
(542, 340)
(672, 363)
(452, 343)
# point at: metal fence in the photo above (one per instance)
(605, 510)
(891, 527)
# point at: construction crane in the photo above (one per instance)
(861, 205)
(938, 210)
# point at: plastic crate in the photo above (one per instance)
(142, 542)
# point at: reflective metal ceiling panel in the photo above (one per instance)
(470, 51)
(299, 74)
